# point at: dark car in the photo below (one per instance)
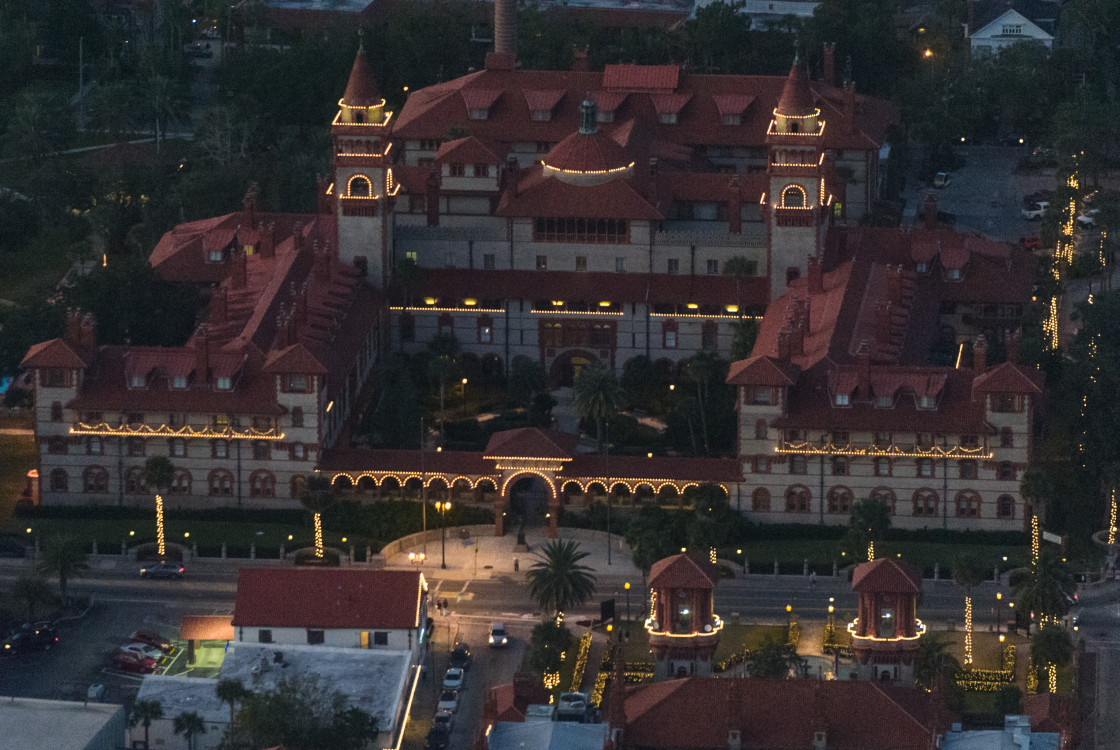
(460, 656)
(155, 640)
(162, 570)
(29, 639)
(439, 738)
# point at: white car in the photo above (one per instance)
(1088, 220)
(454, 679)
(1035, 210)
(142, 650)
(498, 635)
(448, 701)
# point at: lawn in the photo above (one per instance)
(733, 638)
(821, 553)
(17, 456)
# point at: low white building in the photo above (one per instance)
(1015, 735)
(362, 609)
(34, 724)
(997, 24)
(379, 682)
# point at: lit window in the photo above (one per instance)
(581, 262)
(843, 399)
(179, 381)
(224, 384)
(137, 381)
(667, 118)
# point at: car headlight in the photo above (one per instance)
(491, 639)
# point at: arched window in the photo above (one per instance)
(262, 484)
(134, 481)
(760, 500)
(1005, 506)
(968, 504)
(220, 482)
(95, 479)
(793, 196)
(925, 503)
(760, 429)
(60, 480)
(296, 485)
(181, 482)
(359, 186)
(884, 495)
(840, 500)
(798, 498)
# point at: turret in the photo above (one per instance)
(886, 632)
(683, 627)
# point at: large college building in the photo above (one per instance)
(570, 217)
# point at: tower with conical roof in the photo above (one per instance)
(683, 627)
(797, 200)
(363, 188)
(885, 635)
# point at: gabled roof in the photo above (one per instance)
(53, 353)
(361, 89)
(1006, 378)
(681, 572)
(469, 150)
(732, 104)
(294, 359)
(531, 442)
(329, 598)
(543, 100)
(991, 16)
(480, 98)
(762, 370)
(886, 576)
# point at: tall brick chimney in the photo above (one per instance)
(850, 105)
(816, 276)
(1011, 346)
(863, 363)
(249, 205)
(238, 273)
(202, 355)
(783, 345)
(73, 335)
(219, 306)
(268, 240)
(980, 355)
(89, 332)
(504, 56)
(579, 61)
(929, 212)
(828, 66)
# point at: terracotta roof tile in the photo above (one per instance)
(587, 152)
(531, 442)
(549, 197)
(641, 77)
(1008, 378)
(329, 598)
(797, 98)
(732, 104)
(53, 353)
(294, 359)
(361, 88)
(469, 150)
(543, 100)
(886, 575)
(762, 370)
(480, 98)
(681, 571)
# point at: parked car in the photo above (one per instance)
(155, 640)
(498, 636)
(1088, 219)
(162, 570)
(30, 638)
(571, 706)
(460, 656)
(142, 649)
(198, 49)
(454, 679)
(1035, 210)
(1030, 243)
(444, 719)
(438, 738)
(448, 701)
(941, 179)
(126, 661)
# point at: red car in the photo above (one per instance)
(130, 662)
(155, 640)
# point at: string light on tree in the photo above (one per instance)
(1112, 520)
(159, 526)
(871, 550)
(319, 535)
(967, 630)
(1034, 538)
(1053, 674)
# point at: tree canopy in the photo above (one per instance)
(559, 580)
(300, 712)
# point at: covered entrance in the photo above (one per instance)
(528, 501)
(562, 373)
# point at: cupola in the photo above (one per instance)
(587, 157)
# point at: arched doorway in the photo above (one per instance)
(565, 367)
(529, 498)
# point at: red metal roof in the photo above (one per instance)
(328, 598)
(641, 77)
(680, 572)
(886, 576)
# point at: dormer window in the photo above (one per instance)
(224, 384)
(215, 256)
(137, 381)
(923, 267)
(479, 114)
(843, 399)
(926, 402)
(667, 118)
(732, 119)
(884, 402)
(953, 274)
(604, 115)
(179, 381)
(542, 115)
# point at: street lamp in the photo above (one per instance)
(742, 560)
(999, 611)
(417, 558)
(627, 587)
(1001, 638)
(789, 616)
(443, 508)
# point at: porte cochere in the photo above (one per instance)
(546, 457)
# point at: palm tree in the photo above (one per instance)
(158, 472)
(934, 666)
(1051, 648)
(32, 590)
(144, 713)
(597, 396)
(443, 365)
(966, 574)
(740, 268)
(700, 369)
(189, 724)
(558, 580)
(232, 692)
(1046, 588)
(63, 555)
(317, 497)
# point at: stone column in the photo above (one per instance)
(500, 505)
(554, 518)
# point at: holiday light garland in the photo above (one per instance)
(581, 662)
(967, 630)
(1112, 520)
(104, 429)
(890, 451)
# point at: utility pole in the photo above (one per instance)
(423, 491)
(607, 448)
(81, 83)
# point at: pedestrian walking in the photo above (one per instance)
(813, 578)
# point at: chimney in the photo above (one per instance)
(850, 105)
(73, 335)
(894, 284)
(1011, 346)
(300, 315)
(863, 364)
(268, 241)
(783, 345)
(249, 205)
(202, 355)
(89, 332)
(297, 236)
(579, 61)
(734, 206)
(219, 306)
(929, 212)
(504, 56)
(816, 276)
(797, 338)
(238, 272)
(980, 355)
(432, 196)
(828, 67)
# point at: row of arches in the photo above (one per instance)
(219, 482)
(924, 502)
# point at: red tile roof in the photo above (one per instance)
(886, 576)
(469, 150)
(654, 470)
(681, 572)
(531, 442)
(294, 359)
(480, 98)
(361, 88)
(762, 370)
(587, 152)
(781, 715)
(641, 77)
(543, 101)
(1008, 378)
(732, 104)
(328, 598)
(405, 461)
(540, 195)
(53, 353)
(796, 99)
